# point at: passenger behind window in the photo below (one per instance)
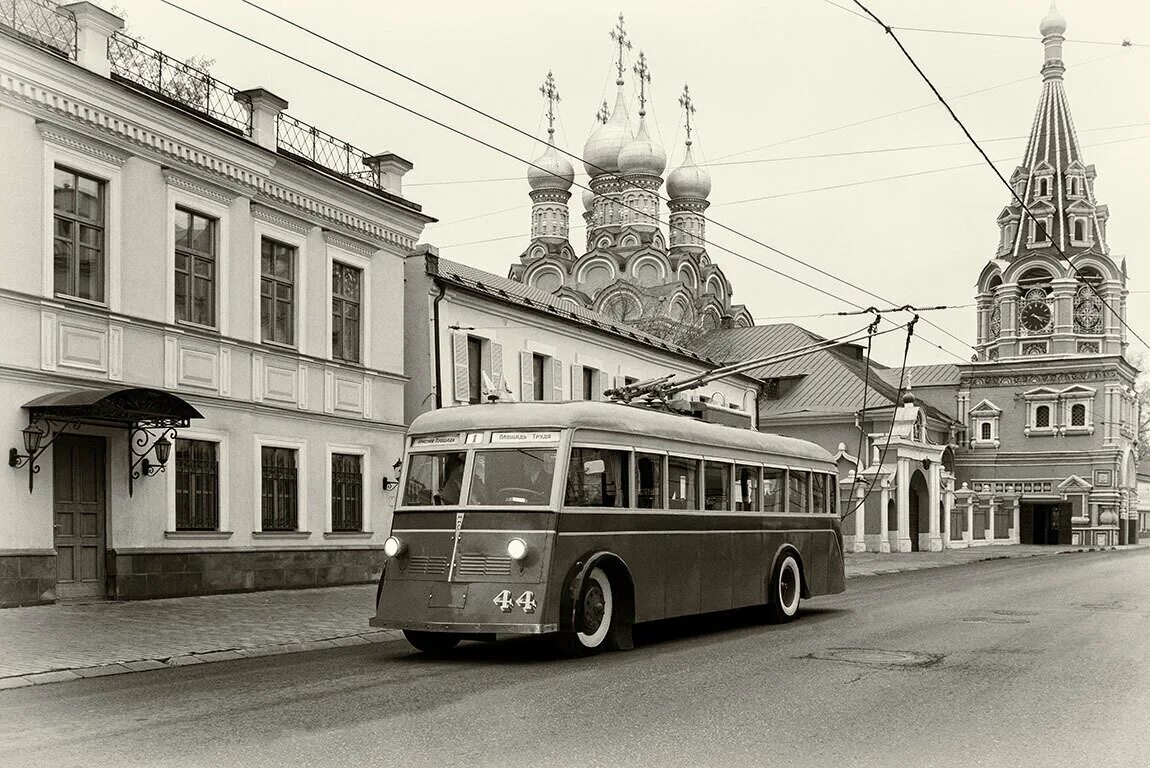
(649, 471)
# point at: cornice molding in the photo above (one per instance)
(132, 136)
(348, 244)
(62, 137)
(280, 219)
(199, 187)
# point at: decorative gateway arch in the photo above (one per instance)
(902, 501)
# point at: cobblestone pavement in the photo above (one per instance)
(52, 643)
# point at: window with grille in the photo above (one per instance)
(197, 485)
(1042, 416)
(195, 268)
(78, 247)
(279, 484)
(985, 430)
(277, 292)
(346, 289)
(346, 492)
(1078, 415)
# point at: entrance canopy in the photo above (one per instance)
(116, 406)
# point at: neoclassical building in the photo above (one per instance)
(656, 277)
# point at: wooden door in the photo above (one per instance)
(80, 514)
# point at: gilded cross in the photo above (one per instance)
(688, 105)
(551, 93)
(644, 75)
(604, 114)
(619, 35)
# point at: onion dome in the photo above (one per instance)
(601, 152)
(1053, 24)
(642, 154)
(588, 200)
(689, 180)
(550, 170)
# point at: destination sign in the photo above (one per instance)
(529, 436)
(420, 442)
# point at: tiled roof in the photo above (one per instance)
(941, 374)
(525, 296)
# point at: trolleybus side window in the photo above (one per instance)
(682, 482)
(774, 486)
(819, 493)
(716, 485)
(598, 477)
(798, 497)
(512, 477)
(746, 489)
(649, 480)
(434, 478)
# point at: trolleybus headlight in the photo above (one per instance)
(393, 547)
(517, 549)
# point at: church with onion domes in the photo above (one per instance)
(646, 269)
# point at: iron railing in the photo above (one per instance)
(178, 82)
(310, 143)
(41, 22)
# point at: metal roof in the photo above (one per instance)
(610, 417)
(940, 374)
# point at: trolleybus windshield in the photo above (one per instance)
(520, 476)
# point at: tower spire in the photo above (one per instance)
(551, 93)
(643, 72)
(619, 35)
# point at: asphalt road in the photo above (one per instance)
(1036, 662)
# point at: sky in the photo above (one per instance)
(792, 87)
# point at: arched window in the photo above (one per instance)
(985, 431)
(1078, 415)
(1072, 185)
(1080, 230)
(1044, 187)
(1042, 416)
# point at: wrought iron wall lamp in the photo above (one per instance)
(391, 485)
(140, 445)
(35, 444)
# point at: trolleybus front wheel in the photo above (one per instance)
(596, 614)
(786, 589)
(431, 642)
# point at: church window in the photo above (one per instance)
(1072, 185)
(1078, 415)
(1081, 231)
(1042, 417)
(1040, 230)
(1044, 187)
(985, 431)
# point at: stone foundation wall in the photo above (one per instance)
(27, 578)
(136, 575)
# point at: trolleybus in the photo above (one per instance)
(584, 518)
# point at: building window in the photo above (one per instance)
(279, 483)
(1042, 417)
(78, 246)
(197, 485)
(277, 291)
(771, 389)
(538, 377)
(1044, 187)
(589, 383)
(984, 431)
(716, 486)
(346, 285)
(474, 370)
(346, 492)
(1078, 415)
(195, 268)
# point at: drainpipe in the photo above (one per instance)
(435, 330)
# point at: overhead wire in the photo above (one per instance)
(1013, 193)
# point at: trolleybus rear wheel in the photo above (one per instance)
(786, 589)
(431, 642)
(595, 613)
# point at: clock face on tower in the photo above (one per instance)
(1035, 316)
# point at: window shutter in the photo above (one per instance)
(526, 376)
(576, 381)
(597, 379)
(496, 373)
(557, 378)
(462, 379)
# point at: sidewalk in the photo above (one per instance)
(53, 643)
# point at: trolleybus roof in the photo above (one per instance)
(610, 417)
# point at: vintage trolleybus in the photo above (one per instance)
(583, 518)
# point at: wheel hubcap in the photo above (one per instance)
(593, 608)
(787, 587)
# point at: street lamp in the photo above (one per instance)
(163, 448)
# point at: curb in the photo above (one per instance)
(207, 657)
